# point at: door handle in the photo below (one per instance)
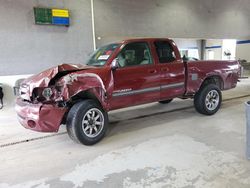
(152, 71)
(164, 69)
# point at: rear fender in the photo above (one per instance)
(222, 73)
(194, 85)
(213, 79)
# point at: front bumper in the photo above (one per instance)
(39, 117)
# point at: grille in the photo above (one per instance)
(24, 92)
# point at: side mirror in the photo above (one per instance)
(114, 64)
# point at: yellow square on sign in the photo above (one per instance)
(60, 13)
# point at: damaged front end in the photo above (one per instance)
(50, 94)
(42, 103)
(38, 116)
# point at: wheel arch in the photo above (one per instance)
(213, 79)
(85, 95)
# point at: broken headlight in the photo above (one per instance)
(41, 94)
(47, 93)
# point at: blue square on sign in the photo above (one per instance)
(60, 21)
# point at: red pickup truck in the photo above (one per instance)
(119, 75)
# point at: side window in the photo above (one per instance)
(165, 51)
(134, 54)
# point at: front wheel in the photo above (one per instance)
(87, 122)
(208, 100)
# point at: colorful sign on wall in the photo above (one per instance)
(47, 16)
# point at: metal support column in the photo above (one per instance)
(203, 46)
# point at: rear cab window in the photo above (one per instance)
(165, 51)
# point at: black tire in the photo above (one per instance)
(210, 93)
(166, 101)
(75, 124)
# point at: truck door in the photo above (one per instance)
(171, 68)
(136, 80)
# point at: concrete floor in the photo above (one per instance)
(152, 145)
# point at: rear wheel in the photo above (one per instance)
(208, 100)
(166, 101)
(87, 122)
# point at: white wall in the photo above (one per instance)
(205, 19)
(27, 48)
(243, 51)
(190, 45)
(214, 46)
(187, 43)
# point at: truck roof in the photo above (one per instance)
(145, 39)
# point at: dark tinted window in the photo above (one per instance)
(165, 51)
(133, 54)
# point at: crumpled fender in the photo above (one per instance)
(75, 83)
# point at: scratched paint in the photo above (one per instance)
(69, 79)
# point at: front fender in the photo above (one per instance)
(76, 84)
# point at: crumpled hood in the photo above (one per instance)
(42, 79)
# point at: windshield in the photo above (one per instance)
(102, 54)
